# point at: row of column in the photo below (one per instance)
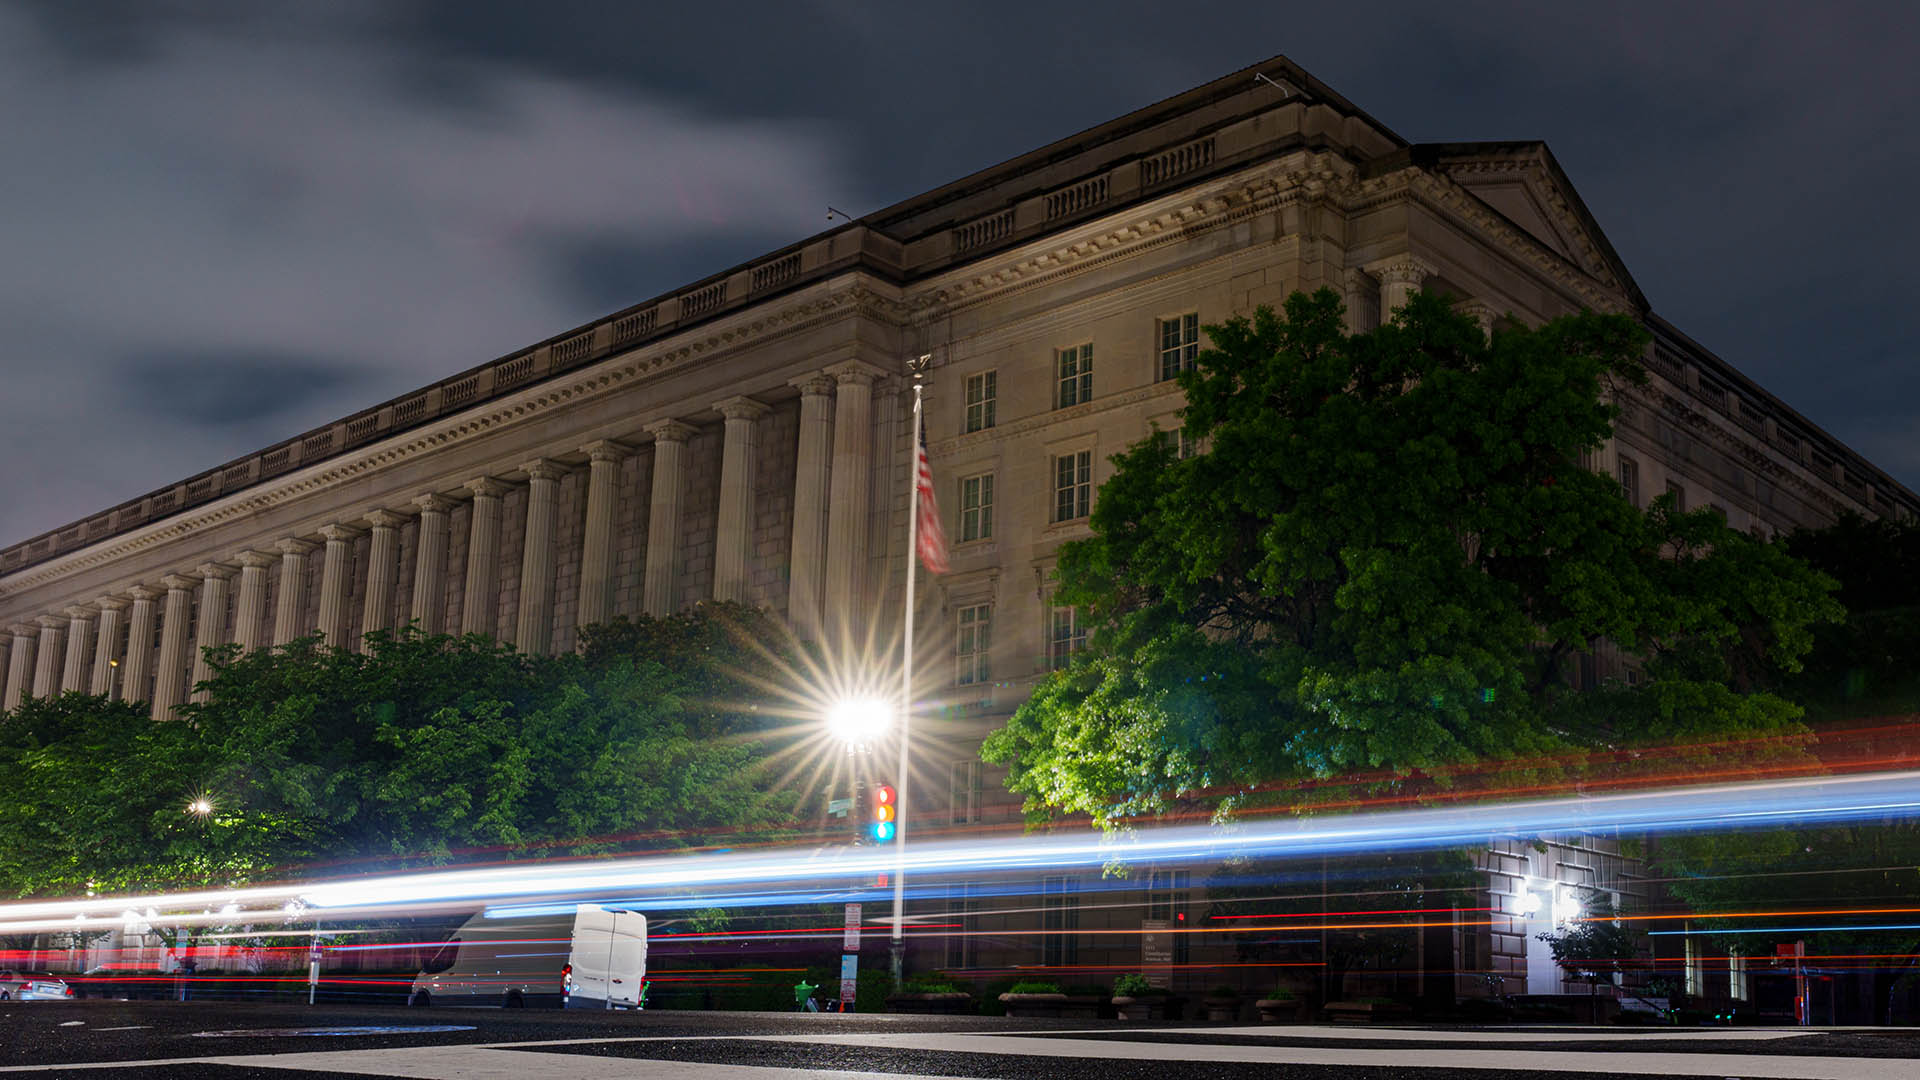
(80, 651)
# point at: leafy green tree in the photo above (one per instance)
(416, 750)
(1864, 665)
(1594, 949)
(1386, 557)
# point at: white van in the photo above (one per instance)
(593, 958)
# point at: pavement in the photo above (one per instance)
(109, 1040)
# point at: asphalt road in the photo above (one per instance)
(110, 1040)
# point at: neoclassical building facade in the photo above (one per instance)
(746, 437)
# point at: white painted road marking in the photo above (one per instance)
(517, 1060)
(1771, 1067)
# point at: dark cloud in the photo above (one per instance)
(419, 186)
(250, 388)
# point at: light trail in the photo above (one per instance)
(1852, 797)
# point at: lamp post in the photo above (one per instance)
(858, 722)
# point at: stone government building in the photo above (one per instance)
(746, 437)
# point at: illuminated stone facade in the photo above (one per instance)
(746, 437)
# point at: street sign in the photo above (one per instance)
(849, 980)
(850, 938)
(1156, 952)
(839, 807)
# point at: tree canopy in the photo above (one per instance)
(1387, 555)
(415, 750)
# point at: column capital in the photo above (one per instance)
(1405, 268)
(337, 533)
(291, 546)
(179, 582)
(544, 469)
(740, 407)
(110, 603)
(50, 622)
(386, 519)
(606, 450)
(25, 630)
(671, 431)
(254, 558)
(486, 487)
(855, 371)
(819, 383)
(433, 504)
(82, 611)
(214, 570)
(144, 592)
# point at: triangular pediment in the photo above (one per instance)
(1522, 183)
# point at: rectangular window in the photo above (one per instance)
(1630, 480)
(1189, 445)
(963, 792)
(981, 395)
(1073, 367)
(1059, 918)
(1738, 986)
(1072, 486)
(1167, 899)
(1696, 975)
(1179, 344)
(976, 507)
(972, 642)
(1679, 495)
(961, 905)
(1065, 636)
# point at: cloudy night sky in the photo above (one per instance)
(223, 224)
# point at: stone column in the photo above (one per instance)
(106, 648)
(172, 669)
(483, 557)
(336, 577)
(79, 668)
(46, 673)
(733, 527)
(383, 570)
(807, 561)
(212, 626)
(596, 548)
(534, 631)
(290, 612)
(6, 651)
(663, 515)
(847, 508)
(20, 664)
(1400, 276)
(136, 681)
(430, 564)
(250, 608)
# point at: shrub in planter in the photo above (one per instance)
(930, 995)
(1283, 1003)
(1222, 1003)
(1034, 998)
(1134, 998)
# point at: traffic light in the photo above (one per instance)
(885, 806)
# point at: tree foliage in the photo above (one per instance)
(416, 750)
(1386, 557)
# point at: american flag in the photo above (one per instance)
(932, 538)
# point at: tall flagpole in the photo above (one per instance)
(898, 950)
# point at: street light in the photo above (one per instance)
(201, 806)
(858, 721)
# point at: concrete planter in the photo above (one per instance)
(1034, 1005)
(1222, 1008)
(1141, 1008)
(1281, 1010)
(1367, 1012)
(946, 1004)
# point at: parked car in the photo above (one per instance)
(15, 986)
